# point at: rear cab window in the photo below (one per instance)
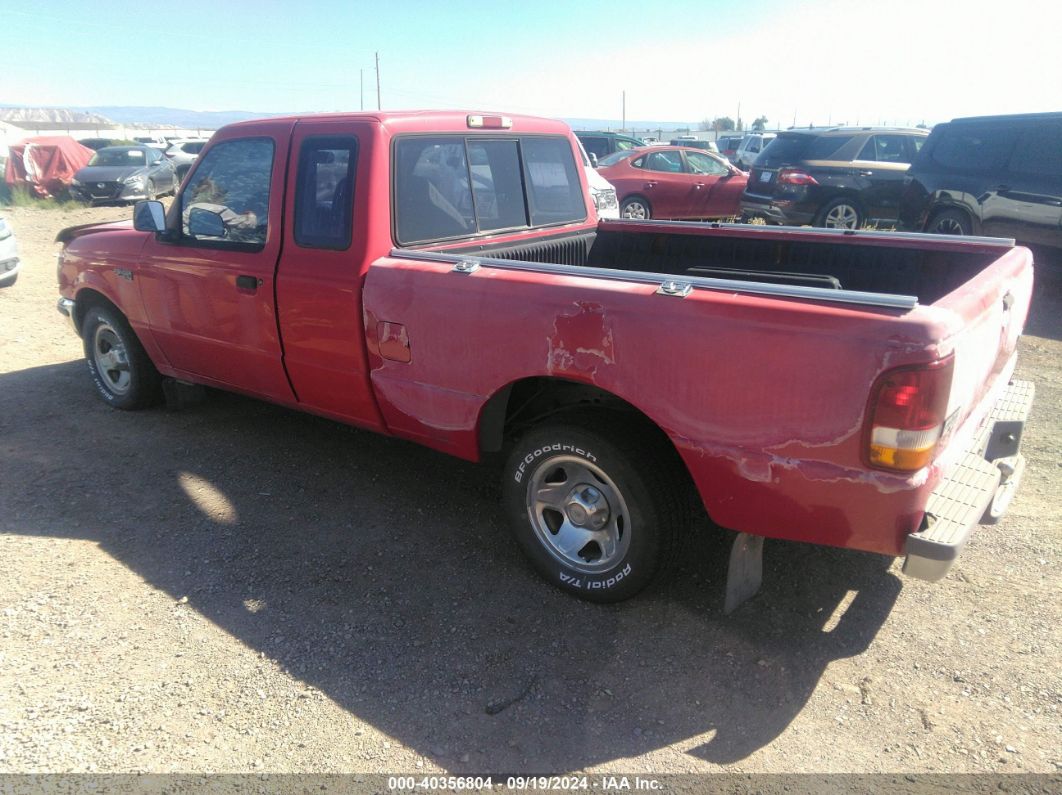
(324, 191)
(454, 186)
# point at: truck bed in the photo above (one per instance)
(926, 268)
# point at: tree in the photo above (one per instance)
(722, 123)
(706, 124)
(760, 123)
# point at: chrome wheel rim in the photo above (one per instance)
(948, 226)
(578, 514)
(843, 216)
(112, 359)
(636, 210)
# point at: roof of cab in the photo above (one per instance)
(419, 121)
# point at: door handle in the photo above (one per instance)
(865, 173)
(650, 184)
(698, 185)
(248, 282)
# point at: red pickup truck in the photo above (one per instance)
(442, 277)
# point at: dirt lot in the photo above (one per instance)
(238, 587)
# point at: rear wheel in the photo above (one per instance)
(7, 281)
(842, 213)
(124, 375)
(598, 505)
(636, 208)
(950, 222)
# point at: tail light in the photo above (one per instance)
(794, 176)
(908, 407)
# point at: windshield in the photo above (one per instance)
(119, 157)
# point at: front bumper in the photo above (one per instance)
(977, 491)
(9, 268)
(99, 192)
(66, 308)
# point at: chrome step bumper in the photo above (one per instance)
(978, 490)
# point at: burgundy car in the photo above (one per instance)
(674, 182)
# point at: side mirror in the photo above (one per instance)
(149, 217)
(205, 223)
(593, 159)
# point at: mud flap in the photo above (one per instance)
(745, 572)
(181, 394)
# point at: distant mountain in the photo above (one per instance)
(175, 117)
(632, 125)
(52, 115)
(159, 117)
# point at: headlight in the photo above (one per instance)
(135, 179)
(605, 199)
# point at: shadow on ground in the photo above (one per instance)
(381, 574)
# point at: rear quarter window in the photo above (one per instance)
(967, 147)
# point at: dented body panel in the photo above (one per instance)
(764, 396)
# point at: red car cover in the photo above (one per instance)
(45, 164)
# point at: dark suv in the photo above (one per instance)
(995, 175)
(603, 144)
(840, 177)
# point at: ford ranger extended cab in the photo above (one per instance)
(442, 277)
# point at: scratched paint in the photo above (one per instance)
(581, 341)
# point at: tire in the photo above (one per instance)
(620, 475)
(950, 222)
(636, 208)
(841, 213)
(125, 377)
(8, 281)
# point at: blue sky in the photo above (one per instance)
(892, 61)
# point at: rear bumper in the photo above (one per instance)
(977, 491)
(787, 213)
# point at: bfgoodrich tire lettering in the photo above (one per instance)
(123, 374)
(597, 505)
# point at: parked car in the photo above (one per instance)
(836, 177)
(9, 261)
(125, 173)
(728, 146)
(95, 144)
(602, 191)
(828, 387)
(750, 147)
(997, 175)
(695, 143)
(602, 144)
(154, 141)
(674, 182)
(183, 152)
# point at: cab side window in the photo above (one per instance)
(226, 203)
(324, 192)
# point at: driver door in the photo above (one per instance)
(208, 285)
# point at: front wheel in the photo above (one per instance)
(598, 506)
(124, 375)
(636, 208)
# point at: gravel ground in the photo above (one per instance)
(238, 587)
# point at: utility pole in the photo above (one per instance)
(624, 128)
(738, 125)
(378, 105)
(361, 80)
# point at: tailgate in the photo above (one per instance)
(986, 317)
